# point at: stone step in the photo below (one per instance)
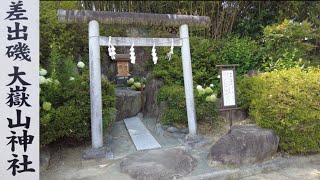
(140, 135)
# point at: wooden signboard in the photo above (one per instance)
(228, 88)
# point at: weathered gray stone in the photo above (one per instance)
(244, 145)
(172, 129)
(150, 95)
(177, 135)
(94, 153)
(158, 164)
(193, 141)
(184, 130)
(159, 129)
(165, 127)
(128, 104)
(44, 158)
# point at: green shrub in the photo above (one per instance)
(205, 55)
(242, 51)
(170, 71)
(65, 102)
(176, 112)
(289, 44)
(69, 115)
(287, 101)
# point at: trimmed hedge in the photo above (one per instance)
(287, 101)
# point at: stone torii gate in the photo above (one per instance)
(147, 19)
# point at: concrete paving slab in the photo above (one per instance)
(140, 135)
(121, 144)
(135, 126)
(144, 141)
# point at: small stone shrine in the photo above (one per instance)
(122, 61)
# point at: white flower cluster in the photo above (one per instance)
(43, 72)
(80, 65)
(132, 55)
(211, 96)
(42, 79)
(111, 50)
(154, 54)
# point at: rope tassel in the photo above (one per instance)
(154, 54)
(132, 54)
(111, 50)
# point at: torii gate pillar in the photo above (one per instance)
(187, 77)
(95, 85)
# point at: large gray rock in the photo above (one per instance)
(128, 104)
(158, 164)
(150, 95)
(244, 145)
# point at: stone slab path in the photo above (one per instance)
(140, 135)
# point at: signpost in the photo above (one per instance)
(228, 88)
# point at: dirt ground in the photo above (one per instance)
(67, 163)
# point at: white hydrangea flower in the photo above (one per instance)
(211, 85)
(211, 98)
(80, 64)
(42, 80)
(71, 78)
(199, 87)
(218, 76)
(49, 80)
(201, 92)
(43, 72)
(56, 82)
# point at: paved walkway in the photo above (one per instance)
(309, 172)
(140, 135)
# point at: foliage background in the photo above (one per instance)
(267, 36)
